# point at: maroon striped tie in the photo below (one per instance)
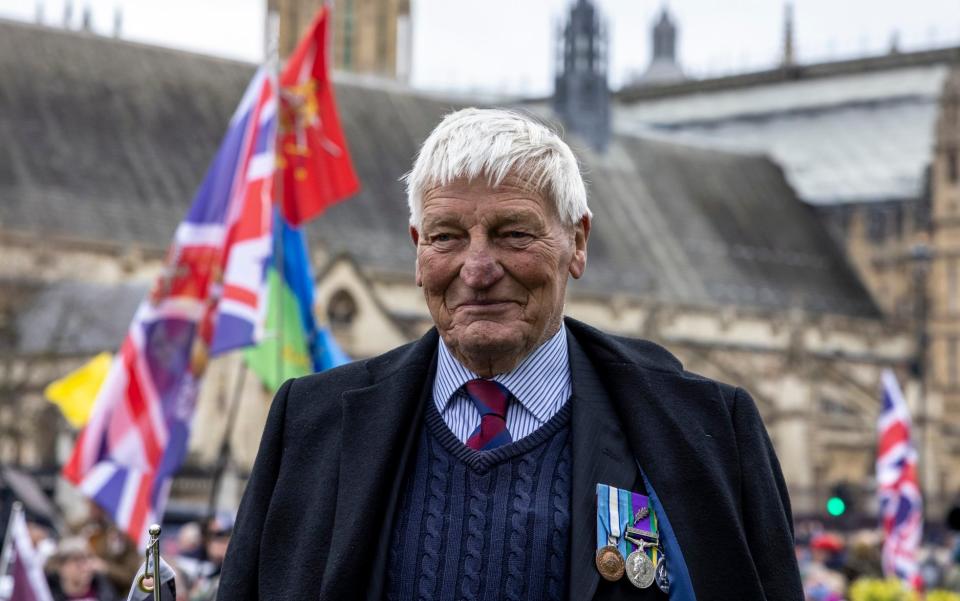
(490, 398)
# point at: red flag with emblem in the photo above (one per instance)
(314, 160)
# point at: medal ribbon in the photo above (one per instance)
(625, 518)
(649, 523)
(613, 516)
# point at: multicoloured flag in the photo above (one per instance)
(293, 345)
(75, 392)
(898, 487)
(209, 299)
(314, 160)
(22, 562)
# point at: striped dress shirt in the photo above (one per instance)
(539, 386)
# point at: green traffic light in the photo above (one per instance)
(836, 506)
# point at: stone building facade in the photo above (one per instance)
(372, 37)
(941, 320)
(870, 144)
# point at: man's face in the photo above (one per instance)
(76, 572)
(493, 263)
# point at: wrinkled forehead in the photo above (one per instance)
(515, 181)
(515, 195)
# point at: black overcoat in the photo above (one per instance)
(317, 512)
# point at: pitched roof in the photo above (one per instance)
(69, 317)
(891, 61)
(687, 224)
(851, 131)
(108, 140)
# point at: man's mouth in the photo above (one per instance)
(481, 303)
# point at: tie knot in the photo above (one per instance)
(488, 396)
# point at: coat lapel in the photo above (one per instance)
(601, 454)
(673, 452)
(379, 427)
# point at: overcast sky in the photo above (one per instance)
(506, 45)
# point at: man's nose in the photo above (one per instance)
(481, 269)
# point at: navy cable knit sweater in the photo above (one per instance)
(484, 525)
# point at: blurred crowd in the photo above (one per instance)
(97, 562)
(847, 567)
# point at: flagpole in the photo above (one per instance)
(223, 455)
(273, 59)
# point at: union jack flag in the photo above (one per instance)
(209, 299)
(901, 505)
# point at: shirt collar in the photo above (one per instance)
(534, 382)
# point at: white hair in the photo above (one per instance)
(495, 144)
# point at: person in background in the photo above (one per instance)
(42, 539)
(74, 574)
(822, 580)
(951, 578)
(118, 553)
(863, 556)
(190, 551)
(216, 540)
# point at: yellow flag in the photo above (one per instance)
(75, 392)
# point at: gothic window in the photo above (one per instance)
(953, 168)
(953, 298)
(951, 112)
(833, 407)
(952, 367)
(898, 220)
(348, 18)
(341, 309)
(876, 224)
(382, 35)
(921, 211)
(581, 53)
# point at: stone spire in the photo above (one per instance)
(581, 94)
(788, 49)
(87, 23)
(665, 38)
(663, 66)
(117, 21)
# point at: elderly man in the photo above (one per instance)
(510, 453)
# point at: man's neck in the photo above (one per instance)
(488, 365)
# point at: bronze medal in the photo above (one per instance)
(610, 563)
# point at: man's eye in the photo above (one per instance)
(517, 235)
(442, 237)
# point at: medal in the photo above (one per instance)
(610, 563)
(613, 514)
(661, 577)
(639, 568)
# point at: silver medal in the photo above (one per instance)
(639, 569)
(662, 577)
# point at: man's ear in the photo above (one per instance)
(415, 236)
(581, 232)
